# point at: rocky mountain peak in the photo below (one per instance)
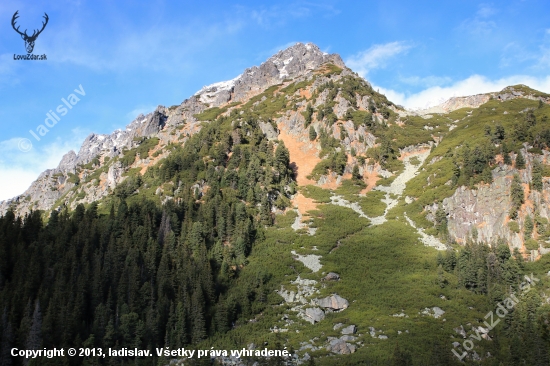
(297, 59)
(286, 64)
(68, 161)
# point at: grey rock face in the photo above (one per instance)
(52, 184)
(348, 338)
(68, 161)
(315, 314)
(331, 276)
(341, 107)
(287, 64)
(112, 145)
(349, 329)
(339, 346)
(268, 130)
(114, 176)
(334, 302)
(487, 208)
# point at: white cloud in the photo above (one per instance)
(485, 11)
(426, 81)
(474, 84)
(478, 27)
(375, 57)
(19, 169)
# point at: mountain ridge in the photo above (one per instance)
(298, 59)
(304, 215)
(475, 100)
(301, 79)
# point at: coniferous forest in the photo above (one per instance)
(143, 275)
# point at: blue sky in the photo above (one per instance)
(130, 56)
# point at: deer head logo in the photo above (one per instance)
(29, 40)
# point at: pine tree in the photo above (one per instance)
(7, 339)
(25, 325)
(487, 129)
(180, 331)
(265, 210)
(441, 280)
(440, 355)
(197, 306)
(441, 221)
(222, 317)
(536, 181)
(517, 195)
(355, 173)
(530, 118)
(308, 115)
(439, 258)
(507, 159)
(528, 227)
(450, 260)
(456, 171)
(499, 134)
(312, 134)
(487, 175)
(520, 161)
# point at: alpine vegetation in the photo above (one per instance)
(292, 215)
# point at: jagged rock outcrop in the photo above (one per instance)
(287, 64)
(518, 91)
(114, 176)
(68, 162)
(53, 185)
(484, 211)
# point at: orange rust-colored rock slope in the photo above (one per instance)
(304, 204)
(302, 157)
